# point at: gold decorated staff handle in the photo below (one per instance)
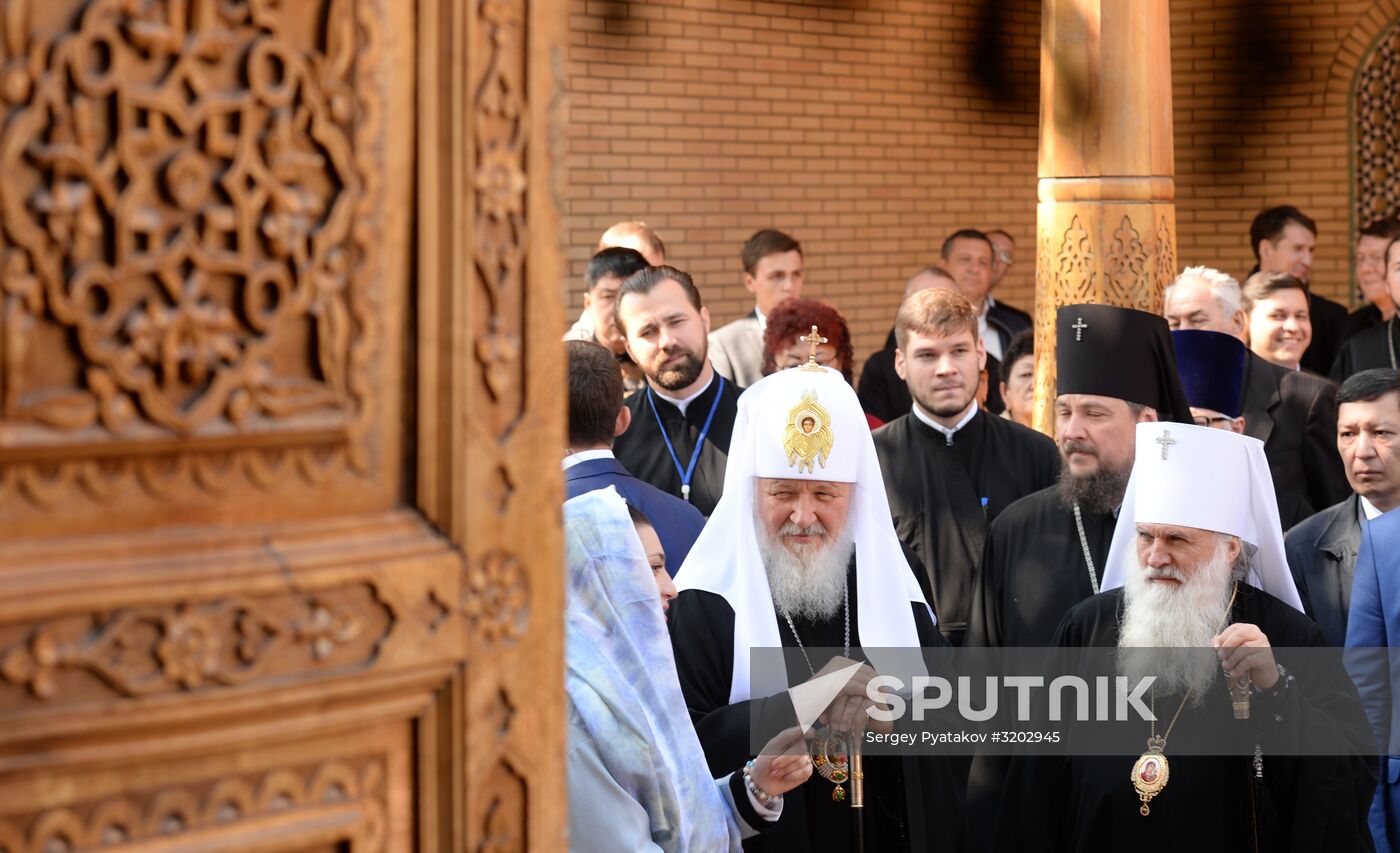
(857, 795)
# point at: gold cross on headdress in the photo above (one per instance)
(815, 339)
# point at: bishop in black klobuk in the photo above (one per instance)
(1041, 556)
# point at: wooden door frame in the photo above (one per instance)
(491, 399)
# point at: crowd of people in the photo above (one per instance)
(1220, 477)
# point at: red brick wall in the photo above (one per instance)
(856, 126)
(1276, 133)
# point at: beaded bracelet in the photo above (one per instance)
(768, 800)
(1285, 681)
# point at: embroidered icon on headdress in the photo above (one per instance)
(808, 437)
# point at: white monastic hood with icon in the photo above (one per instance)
(802, 423)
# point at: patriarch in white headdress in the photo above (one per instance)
(803, 427)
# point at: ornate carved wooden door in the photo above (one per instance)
(279, 404)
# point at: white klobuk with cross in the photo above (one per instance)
(1212, 479)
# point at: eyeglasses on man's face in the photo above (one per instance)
(1215, 422)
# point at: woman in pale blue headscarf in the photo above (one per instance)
(637, 776)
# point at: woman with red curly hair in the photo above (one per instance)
(783, 346)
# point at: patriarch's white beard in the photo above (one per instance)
(807, 581)
(1168, 628)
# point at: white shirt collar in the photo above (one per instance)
(1369, 509)
(990, 340)
(947, 433)
(682, 404)
(762, 318)
(586, 456)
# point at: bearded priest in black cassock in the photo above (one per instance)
(801, 554)
(950, 468)
(1115, 367)
(680, 423)
(1206, 598)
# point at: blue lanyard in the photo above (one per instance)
(689, 470)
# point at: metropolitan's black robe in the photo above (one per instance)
(911, 803)
(1366, 350)
(1033, 571)
(936, 492)
(642, 451)
(1087, 802)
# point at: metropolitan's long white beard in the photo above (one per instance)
(1168, 628)
(807, 581)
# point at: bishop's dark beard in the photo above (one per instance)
(1099, 493)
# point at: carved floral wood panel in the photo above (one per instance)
(192, 278)
(142, 651)
(329, 601)
(352, 790)
(345, 790)
(206, 270)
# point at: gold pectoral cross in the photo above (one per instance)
(815, 339)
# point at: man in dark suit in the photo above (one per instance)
(596, 417)
(1322, 550)
(883, 394)
(1293, 412)
(1283, 239)
(968, 255)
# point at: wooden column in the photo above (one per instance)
(1106, 222)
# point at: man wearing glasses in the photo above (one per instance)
(1003, 255)
(971, 257)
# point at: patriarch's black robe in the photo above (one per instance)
(911, 803)
(642, 450)
(944, 495)
(1088, 803)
